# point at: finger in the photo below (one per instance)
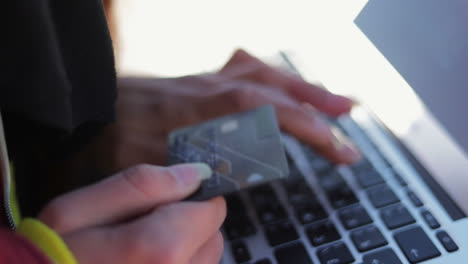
(325, 140)
(245, 66)
(124, 195)
(302, 122)
(93, 246)
(211, 252)
(173, 233)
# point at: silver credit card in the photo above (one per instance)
(243, 149)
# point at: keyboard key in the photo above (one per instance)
(354, 216)
(338, 192)
(310, 213)
(368, 178)
(331, 181)
(342, 197)
(299, 197)
(416, 245)
(234, 202)
(399, 179)
(337, 254)
(267, 205)
(447, 241)
(296, 185)
(263, 261)
(430, 219)
(305, 203)
(415, 199)
(361, 165)
(237, 224)
(381, 196)
(368, 238)
(262, 195)
(322, 232)
(385, 256)
(236, 227)
(240, 252)
(292, 253)
(271, 213)
(395, 216)
(281, 232)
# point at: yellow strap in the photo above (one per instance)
(41, 235)
(47, 240)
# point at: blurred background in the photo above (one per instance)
(183, 37)
(179, 37)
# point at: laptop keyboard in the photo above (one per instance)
(339, 229)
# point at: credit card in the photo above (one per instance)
(243, 150)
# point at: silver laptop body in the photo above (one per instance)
(406, 202)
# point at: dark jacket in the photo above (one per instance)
(57, 87)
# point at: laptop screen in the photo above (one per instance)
(426, 41)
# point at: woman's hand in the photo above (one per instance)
(135, 217)
(148, 109)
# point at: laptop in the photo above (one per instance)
(406, 200)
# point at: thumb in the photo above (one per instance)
(124, 195)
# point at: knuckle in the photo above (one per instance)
(208, 80)
(241, 97)
(138, 171)
(324, 137)
(148, 248)
(264, 73)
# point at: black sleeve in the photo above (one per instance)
(58, 61)
(57, 83)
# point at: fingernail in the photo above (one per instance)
(344, 146)
(319, 124)
(191, 173)
(340, 100)
(355, 101)
(348, 151)
(204, 171)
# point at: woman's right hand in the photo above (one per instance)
(136, 216)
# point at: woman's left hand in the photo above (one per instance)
(148, 109)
